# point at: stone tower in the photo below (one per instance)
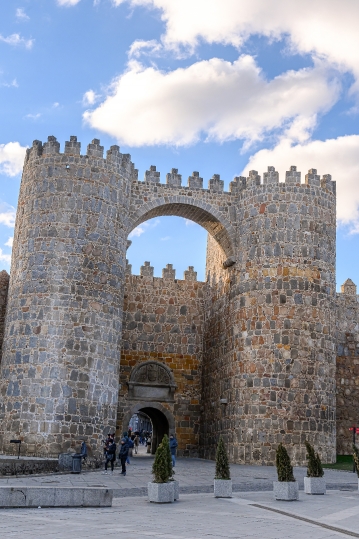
(270, 333)
(60, 365)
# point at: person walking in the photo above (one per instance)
(136, 443)
(123, 454)
(173, 447)
(110, 454)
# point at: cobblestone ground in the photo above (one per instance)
(194, 516)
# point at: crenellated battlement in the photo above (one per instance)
(168, 272)
(95, 152)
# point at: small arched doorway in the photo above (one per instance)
(161, 419)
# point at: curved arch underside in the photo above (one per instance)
(220, 229)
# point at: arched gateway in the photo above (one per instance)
(249, 354)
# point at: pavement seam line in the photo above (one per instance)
(308, 520)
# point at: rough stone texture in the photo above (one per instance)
(163, 322)
(314, 485)
(262, 329)
(161, 492)
(286, 491)
(347, 371)
(61, 352)
(55, 497)
(223, 488)
(4, 287)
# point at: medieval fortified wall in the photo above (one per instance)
(249, 354)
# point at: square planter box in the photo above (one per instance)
(286, 491)
(176, 489)
(223, 488)
(161, 492)
(314, 485)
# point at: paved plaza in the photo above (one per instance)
(251, 512)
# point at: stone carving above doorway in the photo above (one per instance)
(151, 381)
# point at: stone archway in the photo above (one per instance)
(217, 224)
(162, 420)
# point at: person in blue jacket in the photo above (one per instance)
(173, 447)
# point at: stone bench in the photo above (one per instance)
(11, 496)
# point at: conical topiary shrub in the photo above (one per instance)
(162, 465)
(356, 458)
(314, 463)
(284, 467)
(222, 464)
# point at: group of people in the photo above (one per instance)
(128, 442)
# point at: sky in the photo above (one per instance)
(216, 86)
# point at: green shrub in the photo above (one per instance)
(284, 467)
(162, 466)
(314, 463)
(356, 458)
(222, 464)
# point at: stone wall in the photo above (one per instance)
(163, 322)
(347, 373)
(4, 288)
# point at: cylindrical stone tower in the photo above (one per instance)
(61, 353)
(270, 346)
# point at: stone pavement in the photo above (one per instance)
(194, 516)
(194, 475)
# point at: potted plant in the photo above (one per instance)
(161, 489)
(222, 480)
(314, 483)
(286, 488)
(356, 460)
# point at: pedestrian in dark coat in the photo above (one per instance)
(173, 447)
(123, 454)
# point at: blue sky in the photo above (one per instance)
(218, 86)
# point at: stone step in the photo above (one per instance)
(18, 496)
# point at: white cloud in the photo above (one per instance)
(21, 15)
(33, 116)
(55, 105)
(219, 99)
(68, 3)
(188, 222)
(338, 157)
(140, 47)
(89, 98)
(5, 258)
(166, 238)
(16, 39)
(143, 227)
(12, 84)
(12, 157)
(324, 28)
(10, 241)
(7, 215)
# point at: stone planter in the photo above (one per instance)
(314, 485)
(286, 490)
(176, 489)
(223, 488)
(161, 492)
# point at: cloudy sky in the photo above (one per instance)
(218, 86)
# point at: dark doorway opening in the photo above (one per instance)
(159, 424)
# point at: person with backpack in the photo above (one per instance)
(110, 453)
(130, 447)
(123, 454)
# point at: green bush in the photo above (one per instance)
(356, 458)
(314, 463)
(284, 467)
(162, 466)
(222, 464)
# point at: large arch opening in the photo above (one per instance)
(211, 219)
(162, 421)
